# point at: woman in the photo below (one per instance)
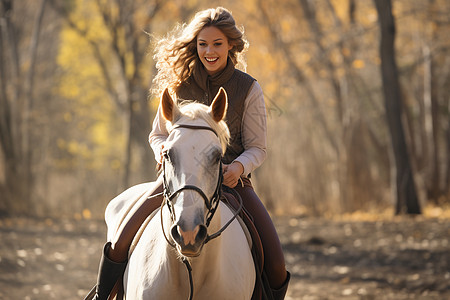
(194, 62)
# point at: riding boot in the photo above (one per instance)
(109, 273)
(280, 293)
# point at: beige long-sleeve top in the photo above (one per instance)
(254, 131)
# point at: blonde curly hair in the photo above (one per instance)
(176, 54)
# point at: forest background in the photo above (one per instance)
(347, 115)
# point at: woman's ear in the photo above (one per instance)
(219, 105)
(169, 109)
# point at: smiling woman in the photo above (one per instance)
(176, 55)
(212, 49)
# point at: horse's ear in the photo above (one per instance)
(219, 105)
(169, 109)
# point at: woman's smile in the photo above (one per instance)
(211, 59)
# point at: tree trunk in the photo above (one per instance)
(10, 125)
(27, 123)
(407, 200)
(447, 168)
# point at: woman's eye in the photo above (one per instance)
(218, 44)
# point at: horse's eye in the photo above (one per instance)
(166, 155)
(217, 158)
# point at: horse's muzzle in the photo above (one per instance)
(189, 243)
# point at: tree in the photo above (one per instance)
(120, 58)
(407, 200)
(17, 74)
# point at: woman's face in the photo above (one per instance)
(212, 49)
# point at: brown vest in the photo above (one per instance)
(203, 88)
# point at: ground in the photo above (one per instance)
(399, 258)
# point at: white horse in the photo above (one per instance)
(223, 268)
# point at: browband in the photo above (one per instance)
(195, 127)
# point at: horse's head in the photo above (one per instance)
(197, 140)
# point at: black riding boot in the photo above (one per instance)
(108, 274)
(280, 293)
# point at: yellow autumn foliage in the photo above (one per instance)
(82, 84)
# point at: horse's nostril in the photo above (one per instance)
(176, 234)
(185, 238)
(202, 233)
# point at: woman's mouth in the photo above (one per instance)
(211, 59)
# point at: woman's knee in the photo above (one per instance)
(118, 251)
(276, 264)
(276, 273)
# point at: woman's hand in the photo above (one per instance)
(232, 173)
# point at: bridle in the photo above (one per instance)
(211, 203)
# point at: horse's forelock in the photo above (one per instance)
(194, 110)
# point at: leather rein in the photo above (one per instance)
(211, 203)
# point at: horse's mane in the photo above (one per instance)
(194, 111)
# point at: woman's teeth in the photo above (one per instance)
(211, 59)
